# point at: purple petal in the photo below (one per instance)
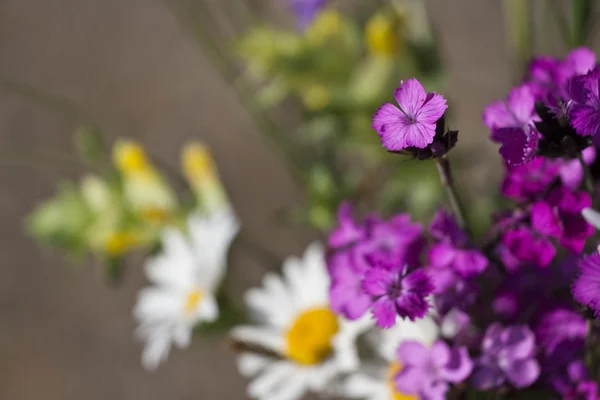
(580, 60)
(487, 376)
(545, 220)
(433, 109)
(586, 289)
(387, 117)
(523, 373)
(444, 226)
(411, 353)
(410, 380)
(518, 341)
(347, 231)
(469, 263)
(496, 116)
(518, 144)
(377, 281)
(585, 119)
(459, 366)
(384, 312)
(412, 306)
(442, 254)
(410, 96)
(520, 102)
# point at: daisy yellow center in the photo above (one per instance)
(392, 371)
(310, 336)
(197, 162)
(131, 158)
(119, 242)
(192, 300)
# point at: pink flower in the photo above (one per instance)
(412, 124)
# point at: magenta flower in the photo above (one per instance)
(507, 354)
(559, 215)
(521, 246)
(584, 113)
(396, 292)
(559, 327)
(511, 123)
(528, 181)
(453, 250)
(586, 289)
(575, 383)
(347, 230)
(428, 373)
(413, 123)
(306, 10)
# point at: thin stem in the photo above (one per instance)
(588, 180)
(446, 177)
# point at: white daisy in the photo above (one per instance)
(375, 380)
(185, 277)
(306, 345)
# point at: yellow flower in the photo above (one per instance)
(200, 171)
(316, 96)
(382, 35)
(130, 158)
(326, 25)
(118, 242)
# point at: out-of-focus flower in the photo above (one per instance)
(306, 11)
(375, 380)
(382, 34)
(576, 383)
(528, 181)
(521, 246)
(144, 188)
(559, 326)
(201, 173)
(452, 249)
(308, 343)
(427, 373)
(584, 112)
(397, 292)
(559, 215)
(511, 124)
(185, 277)
(508, 354)
(586, 289)
(413, 123)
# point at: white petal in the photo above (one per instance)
(362, 386)
(293, 389)
(157, 304)
(273, 376)
(250, 364)
(266, 337)
(208, 309)
(592, 217)
(156, 351)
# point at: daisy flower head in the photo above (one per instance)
(306, 345)
(185, 277)
(413, 122)
(375, 379)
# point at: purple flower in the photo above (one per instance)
(346, 294)
(571, 172)
(508, 354)
(452, 249)
(559, 215)
(397, 293)
(451, 290)
(347, 230)
(413, 123)
(528, 181)
(560, 326)
(511, 124)
(586, 289)
(521, 246)
(575, 383)
(306, 10)
(584, 113)
(427, 373)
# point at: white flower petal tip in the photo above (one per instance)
(592, 217)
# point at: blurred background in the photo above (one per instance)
(136, 69)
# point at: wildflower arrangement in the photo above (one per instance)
(387, 307)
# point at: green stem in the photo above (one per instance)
(446, 177)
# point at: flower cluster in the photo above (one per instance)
(553, 112)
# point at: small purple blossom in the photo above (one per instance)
(413, 122)
(306, 11)
(428, 372)
(508, 354)
(560, 326)
(396, 292)
(347, 230)
(346, 294)
(575, 383)
(452, 250)
(521, 246)
(586, 289)
(559, 215)
(528, 181)
(584, 112)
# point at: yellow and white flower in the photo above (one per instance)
(185, 278)
(305, 344)
(375, 381)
